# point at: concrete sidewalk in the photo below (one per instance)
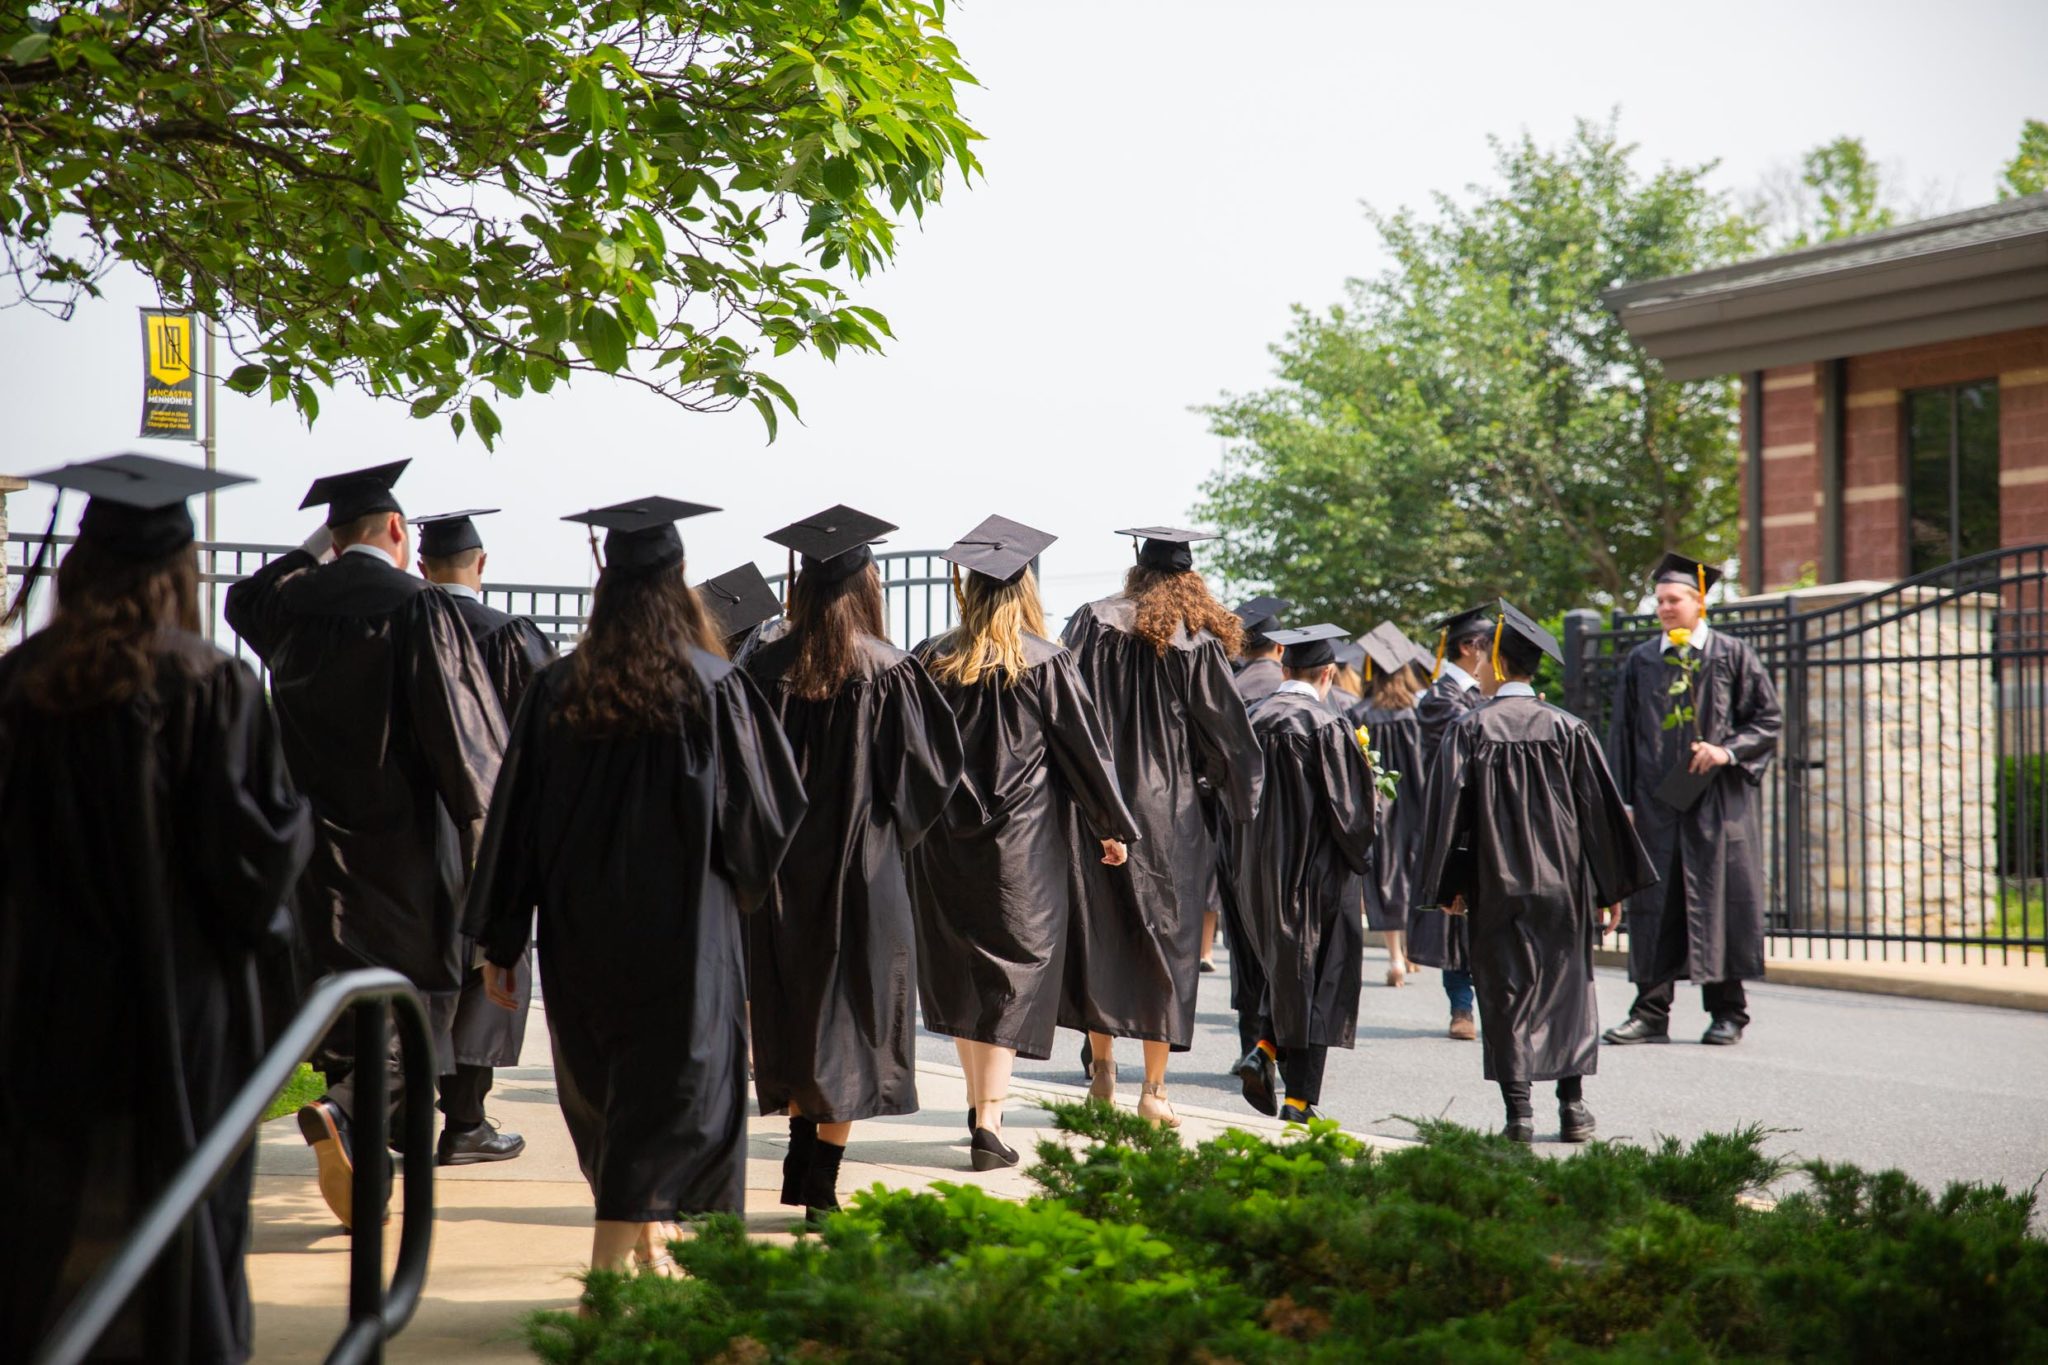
(511, 1237)
(2018, 984)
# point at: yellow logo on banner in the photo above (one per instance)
(170, 348)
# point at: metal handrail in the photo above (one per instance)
(376, 1313)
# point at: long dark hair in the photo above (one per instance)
(632, 672)
(112, 613)
(1168, 600)
(827, 621)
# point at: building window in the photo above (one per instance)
(1951, 473)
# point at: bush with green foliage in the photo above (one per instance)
(1464, 1247)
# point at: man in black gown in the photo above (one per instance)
(1258, 673)
(1530, 843)
(393, 731)
(1695, 806)
(452, 557)
(1434, 939)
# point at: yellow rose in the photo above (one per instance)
(1680, 637)
(1364, 739)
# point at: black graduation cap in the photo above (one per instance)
(357, 493)
(1470, 621)
(1518, 623)
(998, 548)
(1260, 613)
(450, 533)
(640, 536)
(1420, 659)
(739, 599)
(1166, 547)
(1350, 654)
(1389, 650)
(1677, 568)
(834, 543)
(1310, 646)
(136, 503)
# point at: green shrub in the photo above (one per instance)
(1464, 1247)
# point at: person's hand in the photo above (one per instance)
(1456, 907)
(1114, 853)
(501, 984)
(1707, 757)
(320, 544)
(1610, 919)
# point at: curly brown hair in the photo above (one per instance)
(102, 643)
(1168, 601)
(827, 621)
(632, 673)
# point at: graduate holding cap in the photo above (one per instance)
(833, 953)
(393, 730)
(1689, 762)
(1459, 667)
(1300, 869)
(740, 602)
(1529, 843)
(1156, 659)
(990, 882)
(1387, 714)
(646, 801)
(149, 837)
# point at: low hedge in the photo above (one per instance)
(1464, 1247)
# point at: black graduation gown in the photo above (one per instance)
(1301, 865)
(1719, 838)
(990, 882)
(1434, 938)
(1133, 958)
(392, 730)
(1527, 825)
(641, 854)
(1341, 702)
(147, 851)
(1258, 680)
(513, 650)
(832, 955)
(1390, 872)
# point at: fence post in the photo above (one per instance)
(371, 1155)
(8, 484)
(1580, 624)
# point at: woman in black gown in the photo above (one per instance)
(1388, 715)
(645, 800)
(991, 882)
(149, 838)
(832, 956)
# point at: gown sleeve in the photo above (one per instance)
(1350, 804)
(919, 756)
(455, 713)
(1080, 751)
(760, 789)
(505, 890)
(1621, 747)
(1227, 753)
(252, 831)
(1441, 874)
(252, 607)
(1607, 837)
(1754, 719)
(513, 656)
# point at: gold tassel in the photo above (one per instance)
(1368, 668)
(1443, 641)
(1498, 627)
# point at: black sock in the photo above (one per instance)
(1570, 1089)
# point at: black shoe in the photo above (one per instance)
(1634, 1030)
(1574, 1122)
(1300, 1113)
(1722, 1033)
(991, 1153)
(1259, 1076)
(821, 1181)
(468, 1146)
(1520, 1130)
(803, 1138)
(1087, 1062)
(326, 1131)
(1207, 966)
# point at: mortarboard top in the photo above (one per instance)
(1166, 547)
(1309, 646)
(136, 503)
(443, 534)
(998, 548)
(1389, 650)
(739, 599)
(1350, 653)
(357, 493)
(1514, 621)
(1421, 659)
(834, 542)
(1260, 612)
(640, 536)
(1677, 568)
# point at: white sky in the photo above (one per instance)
(1164, 181)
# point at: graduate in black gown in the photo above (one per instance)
(1258, 674)
(1155, 658)
(1300, 867)
(990, 882)
(149, 839)
(452, 557)
(393, 731)
(1705, 922)
(1435, 939)
(1347, 689)
(833, 954)
(1529, 843)
(646, 801)
(1387, 714)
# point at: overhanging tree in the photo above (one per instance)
(445, 201)
(1474, 421)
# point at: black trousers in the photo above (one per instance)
(1721, 999)
(337, 1058)
(1301, 1068)
(1520, 1103)
(462, 1096)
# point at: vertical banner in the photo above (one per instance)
(170, 389)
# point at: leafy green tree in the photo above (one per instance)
(445, 201)
(2027, 172)
(1474, 421)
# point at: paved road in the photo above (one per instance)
(1943, 1092)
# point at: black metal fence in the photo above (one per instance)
(1907, 814)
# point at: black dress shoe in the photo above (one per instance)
(1259, 1076)
(1300, 1113)
(1520, 1130)
(990, 1153)
(469, 1146)
(1722, 1033)
(1633, 1030)
(326, 1131)
(1574, 1122)
(1207, 966)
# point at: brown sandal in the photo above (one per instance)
(1153, 1105)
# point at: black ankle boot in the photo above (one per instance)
(821, 1180)
(803, 1140)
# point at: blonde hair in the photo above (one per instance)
(994, 618)
(1349, 679)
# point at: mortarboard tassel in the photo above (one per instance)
(1443, 641)
(1498, 627)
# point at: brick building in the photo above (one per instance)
(1895, 391)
